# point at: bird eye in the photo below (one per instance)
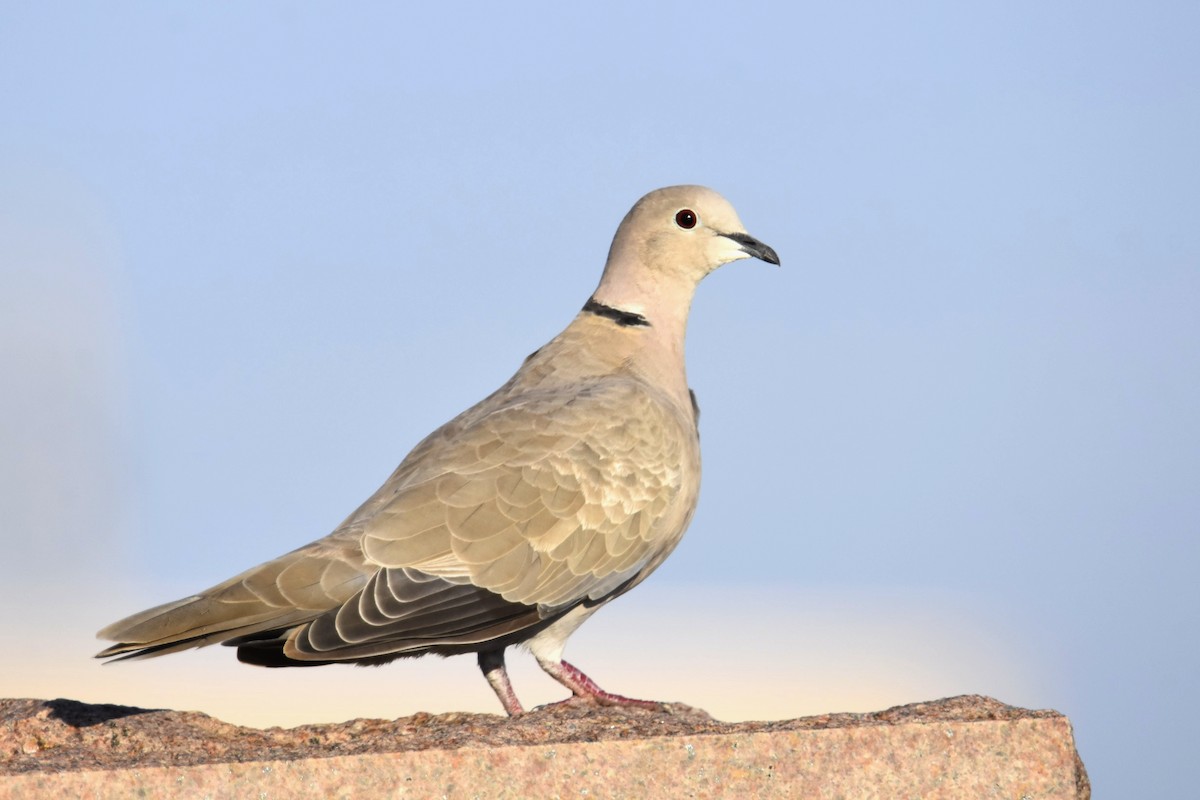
(686, 219)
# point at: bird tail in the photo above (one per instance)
(268, 599)
(190, 622)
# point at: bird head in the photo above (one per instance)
(683, 232)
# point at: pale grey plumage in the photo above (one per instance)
(517, 519)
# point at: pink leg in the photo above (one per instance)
(585, 689)
(492, 664)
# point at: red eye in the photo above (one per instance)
(686, 219)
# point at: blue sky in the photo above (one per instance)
(250, 255)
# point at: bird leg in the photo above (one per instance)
(492, 664)
(585, 689)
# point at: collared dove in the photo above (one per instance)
(515, 521)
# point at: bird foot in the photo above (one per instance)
(492, 664)
(586, 692)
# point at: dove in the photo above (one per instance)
(515, 521)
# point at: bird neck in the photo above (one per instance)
(649, 317)
(634, 296)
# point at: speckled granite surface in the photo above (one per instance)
(961, 747)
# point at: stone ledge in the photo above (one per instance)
(961, 747)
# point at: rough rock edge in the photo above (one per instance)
(67, 735)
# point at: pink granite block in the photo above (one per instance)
(967, 747)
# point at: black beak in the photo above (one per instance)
(754, 247)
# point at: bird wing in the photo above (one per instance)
(548, 501)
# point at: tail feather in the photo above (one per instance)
(273, 597)
(180, 626)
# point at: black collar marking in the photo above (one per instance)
(626, 319)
